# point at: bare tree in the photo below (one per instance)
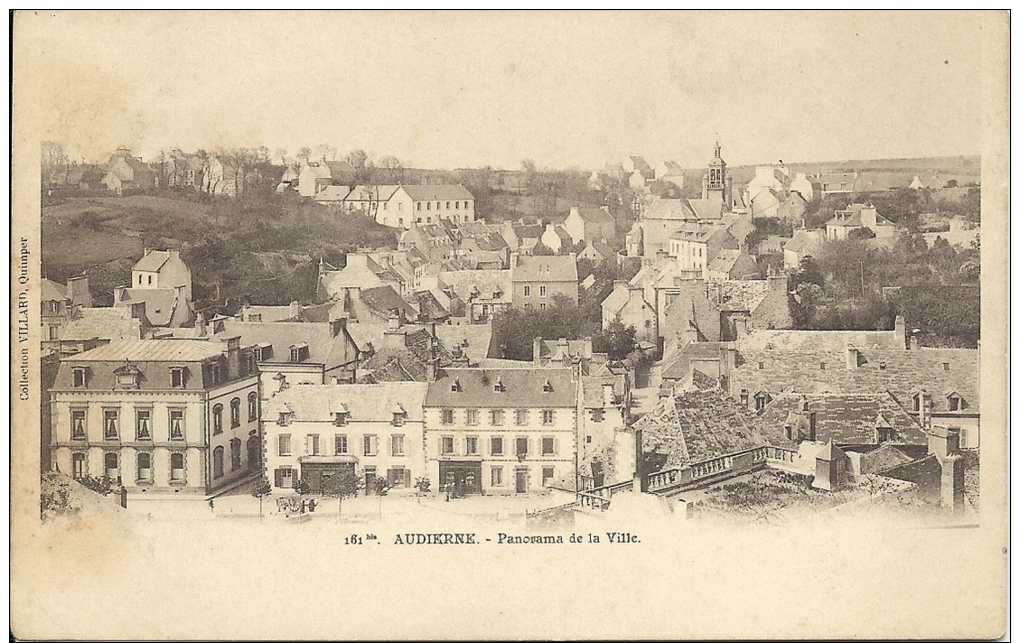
(304, 154)
(53, 157)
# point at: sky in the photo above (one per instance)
(565, 89)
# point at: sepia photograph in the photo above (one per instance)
(524, 324)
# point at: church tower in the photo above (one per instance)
(717, 184)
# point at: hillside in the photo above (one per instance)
(265, 246)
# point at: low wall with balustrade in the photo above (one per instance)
(719, 468)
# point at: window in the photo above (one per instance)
(472, 416)
(446, 445)
(522, 446)
(428, 206)
(111, 420)
(177, 377)
(78, 465)
(144, 467)
(744, 396)
(954, 402)
(400, 207)
(447, 416)
(54, 332)
(176, 424)
(467, 205)
(397, 445)
(397, 477)
(761, 366)
(77, 424)
(455, 387)
(398, 418)
(471, 445)
(312, 446)
(235, 454)
(547, 387)
(521, 417)
(597, 415)
(111, 465)
(548, 446)
(143, 424)
(400, 221)
(548, 416)
(385, 205)
(496, 445)
(587, 439)
(527, 290)
(54, 307)
(139, 280)
(945, 366)
(822, 366)
(370, 445)
(496, 417)
(235, 413)
(78, 377)
(255, 317)
(498, 386)
(761, 400)
(542, 305)
(284, 444)
(447, 205)
(548, 473)
(217, 462)
(340, 444)
(917, 403)
(497, 476)
(542, 291)
(150, 280)
(217, 419)
(285, 478)
(253, 406)
(456, 205)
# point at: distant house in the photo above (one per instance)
(628, 306)
(670, 172)
(185, 170)
(633, 164)
(732, 264)
(313, 179)
(537, 280)
(855, 217)
(590, 224)
(567, 352)
(607, 446)
(223, 176)
(792, 208)
(360, 273)
(160, 290)
(372, 201)
(597, 252)
(840, 182)
(555, 237)
(433, 240)
(333, 195)
(803, 244)
(807, 186)
(695, 245)
(126, 172)
(291, 353)
(89, 327)
(423, 204)
(484, 292)
(58, 304)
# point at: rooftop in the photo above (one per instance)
(437, 192)
(361, 402)
(544, 268)
(152, 350)
(521, 388)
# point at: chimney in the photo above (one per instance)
(924, 413)
(914, 341)
(608, 398)
(79, 290)
(147, 251)
(281, 381)
(740, 326)
(852, 358)
(337, 325)
(944, 442)
(295, 309)
(120, 293)
(234, 356)
(900, 331)
(536, 350)
(200, 325)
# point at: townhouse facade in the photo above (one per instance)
(374, 431)
(537, 280)
(501, 431)
(158, 416)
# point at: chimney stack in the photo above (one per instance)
(536, 350)
(338, 325)
(852, 358)
(200, 325)
(295, 309)
(914, 341)
(608, 398)
(900, 330)
(78, 288)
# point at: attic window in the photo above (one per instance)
(498, 386)
(917, 402)
(263, 351)
(761, 400)
(547, 387)
(955, 402)
(299, 352)
(744, 396)
(176, 376)
(822, 366)
(127, 376)
(78, 375)
(881, 366)
(883, 433)
(945, 366)
(455, 387)
(284, 418)
(761, 366)
(340, 418)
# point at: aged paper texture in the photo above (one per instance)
(451, 90)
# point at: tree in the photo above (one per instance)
(53, 157)
(344, 484)
(357, 158)
(260, 491)
(396, 171)
(304, 154)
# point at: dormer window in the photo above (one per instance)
(340, 415)
(883, 433)
(455, 387)
(761, 366)
(955, 402)
(881, 366)
(176, 377)
(822, 366)
(78, 376)
(547, 387)
(917, 402)
(263, 351)
(127, 376)
(498, 386)
(399, 415)
(299, 352)
(744, 396)
(945, 366)
(761, 400)
(284, 418)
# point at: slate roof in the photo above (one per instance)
(900, 372)
(602, 249)
(53, 291)
(480, 283)
(672, 209)
(323, 347)
(477, 336)
(544, 268)
(378, 193)
(382, 299)
(679, 366)
(700, 425)
(363, 403)
(884, 457)
(805, 241)
(846, 418)
(595, 215)
(616, 300)
(152, 350)
(706, 208)
(832, 340)
(159, 302)
(732, 294)
(437, 192)
(104, 323)
(339, 169)
(153, 261)
(523, 388)
(529, 231)
(333, 193)
(854, 220)
(408, 363)
(550, 349)
(429, 306)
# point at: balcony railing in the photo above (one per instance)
(728, 465)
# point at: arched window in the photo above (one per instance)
(111, 466)
(253, 406)
(217, 462)
(78, 465)
(235, 413)
(144, 467)
(217, 419)
(235, 454)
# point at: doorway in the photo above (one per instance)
(461, 478)
(521, 485)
